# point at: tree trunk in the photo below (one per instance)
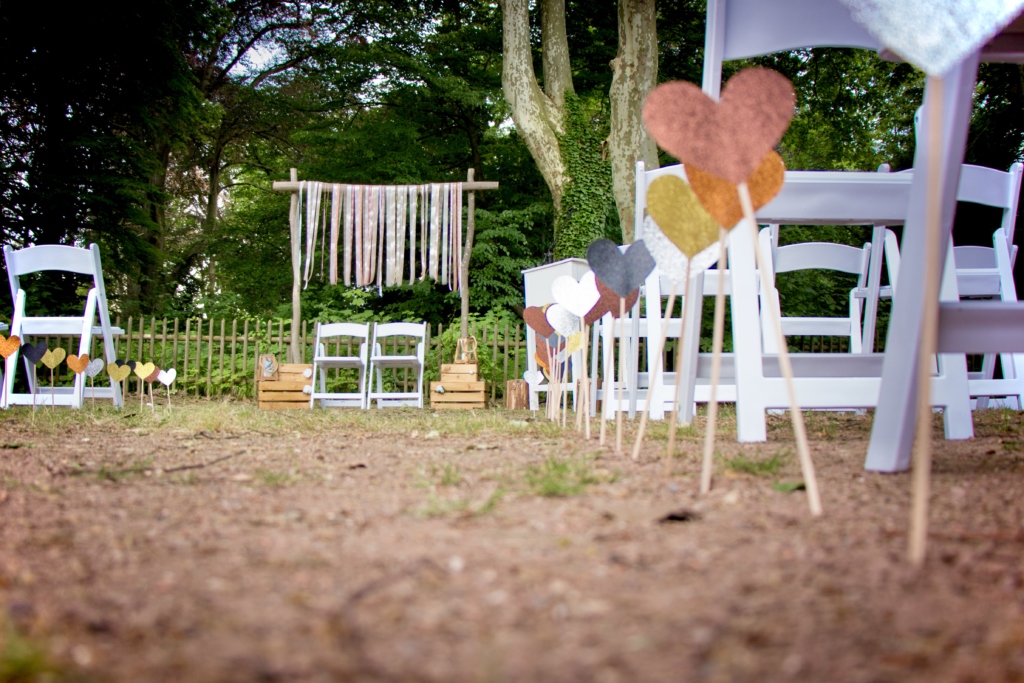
(634, 74)
(537, 117)
(555, 52)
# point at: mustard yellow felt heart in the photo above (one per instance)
(680, 215)
(722, 201)
(78, 363)
(117, 372)
(144, 370)
(54, 357)
(574, 343)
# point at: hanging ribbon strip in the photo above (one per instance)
(372, 223)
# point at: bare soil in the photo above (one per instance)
(407, 546)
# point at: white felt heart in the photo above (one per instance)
(579, 297)
(934, 35)
(167, 377)
(672, 262)
(562, 319)
(533, 377)
(94, 367)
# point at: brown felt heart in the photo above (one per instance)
(78, 363)
(535, 318)
(54, 357)
(720, 198)
(728, 138)
(609, 303)
(117, 372)
(144, 370)
(677, 211)
(9, 345)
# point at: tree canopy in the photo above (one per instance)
(158, 134)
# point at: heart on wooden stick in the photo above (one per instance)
(167, 377)
(934, 35)
(574, 342)
(78, 363)
(538, 322)
(152, 377)
(533, 377)
(33, 352)
(719, 196)
(560, 318)
(672, 204)
(672, 262)
(609, 303)
(54, 357)
(144, 370)
(579, 297)
(94, 367)
(728, 138)
(118, 373)
(9, 345)
(622, 272)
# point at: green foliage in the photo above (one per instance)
(758, 467)
(587, 197)
(557, 477)
(500, 254)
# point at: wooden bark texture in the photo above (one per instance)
(634, 75)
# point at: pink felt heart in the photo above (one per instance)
(728, 138)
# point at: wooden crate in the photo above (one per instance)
(285, 392)
(462, 390)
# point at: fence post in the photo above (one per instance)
(494, 359)
(188, 329)
(518, 376)
(220, 369)
(209, 361)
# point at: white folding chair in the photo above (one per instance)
(72, 260)
(807, 256)
(379, 361)
(323, 360)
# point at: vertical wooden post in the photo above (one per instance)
(518, 376)
(494, 359)
(174, 363)
(504, 373)
(245, 349)
(220, 367)
(152, 339)
(199, 353)
(188, 328)
(163, 347)
(209, 361)
(296, 239)
(467, 254)
(234, 339)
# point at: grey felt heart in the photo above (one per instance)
(672, 262)
(533, 377)
(621, 272)
(934, 35)
(562, 319)
(33, 352)
(579, 297)
(94, 367)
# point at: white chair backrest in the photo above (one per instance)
(991, 187)
(361, 330)
(825, 255)
(400, 330)
(737, 29)
(55, 257)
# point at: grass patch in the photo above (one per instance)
(459, 507)
(758, 467)
(557, 477)
(22, 660)
(448, 474)
(272, 478)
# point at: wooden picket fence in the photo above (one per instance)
(217, 357)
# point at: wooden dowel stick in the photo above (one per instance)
(152, 403)
(622, 375)
(922, 458)
(799, 431)
(657, 372)
(586, 381)
(566, 374)
(609, 360)
(674, 417)
(716, 369)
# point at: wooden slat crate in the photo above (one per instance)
(462, 390)
(285, 392)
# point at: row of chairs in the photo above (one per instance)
(372, 360)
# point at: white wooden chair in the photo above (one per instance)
(72, 260)
(806, 256)
(379, 361)
(323, 361)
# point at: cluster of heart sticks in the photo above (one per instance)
(732, 169)
(118, 370)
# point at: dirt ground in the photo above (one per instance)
(218, 543)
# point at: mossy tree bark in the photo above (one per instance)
(634, 74)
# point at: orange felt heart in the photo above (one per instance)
(9, 345)
(77, 363)
(720, 199)
(728, 138)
